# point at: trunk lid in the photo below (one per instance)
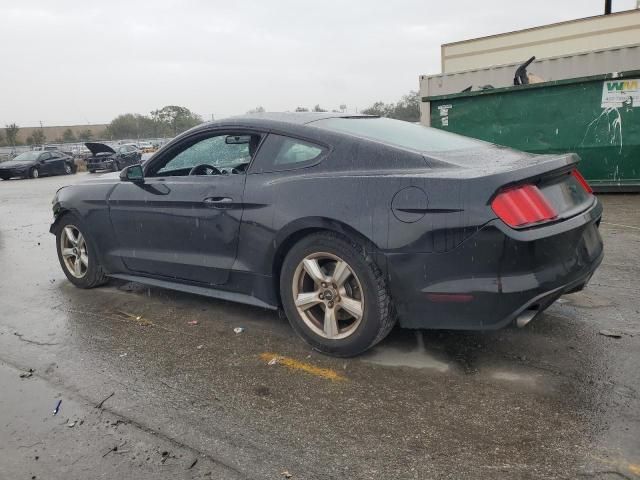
(95, 148)
(495, 169)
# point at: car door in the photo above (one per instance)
(57, 163)
(46, 163)
(129, 154)
(180, 226)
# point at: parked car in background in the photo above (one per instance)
(45, 148)
(346, 222)
(104, 157)
(80, 152)
(146, 147)
(37, 163)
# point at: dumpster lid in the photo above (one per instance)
(532, 86)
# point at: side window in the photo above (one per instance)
(229, 154)
(285, 153)
(45, 156)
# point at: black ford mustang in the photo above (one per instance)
(346, 222)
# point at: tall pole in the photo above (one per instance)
(607, 7)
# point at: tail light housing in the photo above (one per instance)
(578, 176)
(523, 206)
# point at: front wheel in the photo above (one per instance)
(34, 172)
(77, 255)
(334, 295)
(67, 169)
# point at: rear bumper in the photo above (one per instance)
(103, 165)
(496, 274)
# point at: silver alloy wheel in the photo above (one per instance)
(67, 169)
(328, 295)
(73, 249)
(35, 173)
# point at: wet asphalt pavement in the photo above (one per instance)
(556, 399)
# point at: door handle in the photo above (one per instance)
(218, 202)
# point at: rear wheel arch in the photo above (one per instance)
(307, 227)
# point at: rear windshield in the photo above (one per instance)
(400, 133)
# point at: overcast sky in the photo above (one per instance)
(77, 61)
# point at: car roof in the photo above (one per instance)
(278, 119)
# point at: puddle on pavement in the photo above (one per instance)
(586, 300)
(520, 378)
(416, 357)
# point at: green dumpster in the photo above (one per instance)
(597, 117)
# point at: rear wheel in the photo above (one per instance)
(77, 255)
(334, 295)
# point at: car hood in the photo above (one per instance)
(96, 148)
(13, 164)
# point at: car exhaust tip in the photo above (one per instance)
(525, 317)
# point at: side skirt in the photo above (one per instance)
(205, 291)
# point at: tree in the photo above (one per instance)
(259, 109)
(380, 109)
(85, 135)
(343, 107)
(407, 108)
(175, 119)
(68, 136)
(1, 139)
(302, 109)
(133, 125)
(38, 137)
(11, 132)
(318, 108)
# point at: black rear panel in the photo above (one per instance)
(565, 193)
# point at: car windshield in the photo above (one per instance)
(27, 157)
(397, 132)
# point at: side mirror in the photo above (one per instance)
(133, 173)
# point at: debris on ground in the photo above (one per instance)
(71, 424)
(57, 409)
(115, 448)
(609, 333)
(27, 374)
(192, 322)
(286, 474)
(137, 318)
(193, 464)
(122, 355)
(131, 315)
(238, 330)
(165, 456)
(99, 405)
(273, 361)
(200, 347)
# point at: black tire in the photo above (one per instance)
(68, 169)
(94, 275)
(5, 178)
(34, 172)
(92, 171)
(115, 167)
(378, 317)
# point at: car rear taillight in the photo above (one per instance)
(523, 206)
(578, 176)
